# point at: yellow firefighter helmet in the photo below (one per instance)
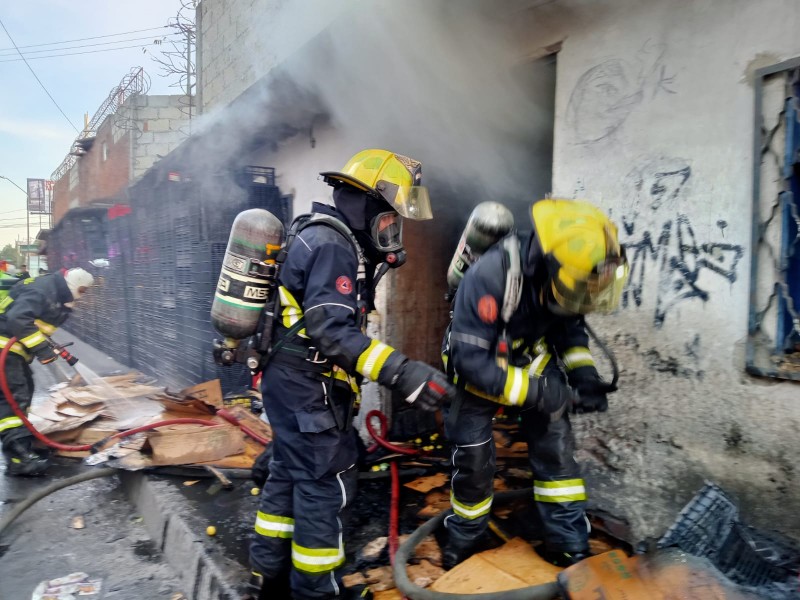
(587, 264)
(392, 177)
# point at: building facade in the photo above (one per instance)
(129, 141)
(654, 111)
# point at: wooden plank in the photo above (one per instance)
(192, 443)
(426, 484)
(393, 594)
(511, 566)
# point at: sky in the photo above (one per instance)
(34, 136)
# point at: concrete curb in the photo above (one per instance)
(199, 571)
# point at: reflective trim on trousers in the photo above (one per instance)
(471, 511)
(317, 560)
(566, 490)
(274, 525)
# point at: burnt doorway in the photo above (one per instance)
(417, 313)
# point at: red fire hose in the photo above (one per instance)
(394, 510)
(83, 447)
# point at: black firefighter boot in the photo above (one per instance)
(22, 461)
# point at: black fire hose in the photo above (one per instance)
(46, 491)
(545, 591)
(607, 351)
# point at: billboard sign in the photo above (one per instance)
(38, 199)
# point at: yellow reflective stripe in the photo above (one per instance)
(274, 525)
(516, 388)
(45, 328)
(342, 375)
(10, 423)
(33, 340)
(566, 490)
(317, 560)
(539, 363)
(17, 348)
(540, 346)
(481, 394)
(577, 356)
(471, 511)
(5, 303)
(291, 312)
(371, 361)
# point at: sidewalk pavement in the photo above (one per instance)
(145, 533)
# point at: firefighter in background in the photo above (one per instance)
(320, 354)
(571, 264)
(33, 309)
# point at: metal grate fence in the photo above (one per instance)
(773, 343)
(156, 259)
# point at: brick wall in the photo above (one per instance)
(144, 129)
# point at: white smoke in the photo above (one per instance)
(433, 79)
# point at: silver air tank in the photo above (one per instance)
(247, 278)
(488, 223)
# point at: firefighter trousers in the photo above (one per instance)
(559, 492)
(20, 382)
(312, 481)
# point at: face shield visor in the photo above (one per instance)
(387, 232)
(599, 291)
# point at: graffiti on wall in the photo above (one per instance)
(607, 93)
(661, 242)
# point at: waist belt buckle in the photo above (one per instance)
(315, 357)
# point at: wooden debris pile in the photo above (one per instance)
(78, 414)
(512, 563)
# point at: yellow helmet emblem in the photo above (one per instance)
(393, 177)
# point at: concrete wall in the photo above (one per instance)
(653, 121)
(240, 42)
(158, 125)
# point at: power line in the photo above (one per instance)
(149, 37)
(76, 53)
(37, 78)
(97, 37)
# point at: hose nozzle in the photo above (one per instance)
(62, 352)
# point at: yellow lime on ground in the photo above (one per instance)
(255, 491)
(211, 530)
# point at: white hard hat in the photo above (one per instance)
(78, 281)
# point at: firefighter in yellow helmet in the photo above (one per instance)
(320, 355)
(518, 339)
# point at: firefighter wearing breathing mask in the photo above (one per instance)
(534, 357)
(31, 312)
(320, 353)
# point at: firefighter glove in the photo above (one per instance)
(46, 355)
(549, 393)
(420, 384)
(592, 390)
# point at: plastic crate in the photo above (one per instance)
(709, 527)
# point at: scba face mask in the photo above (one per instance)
(387, 232)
